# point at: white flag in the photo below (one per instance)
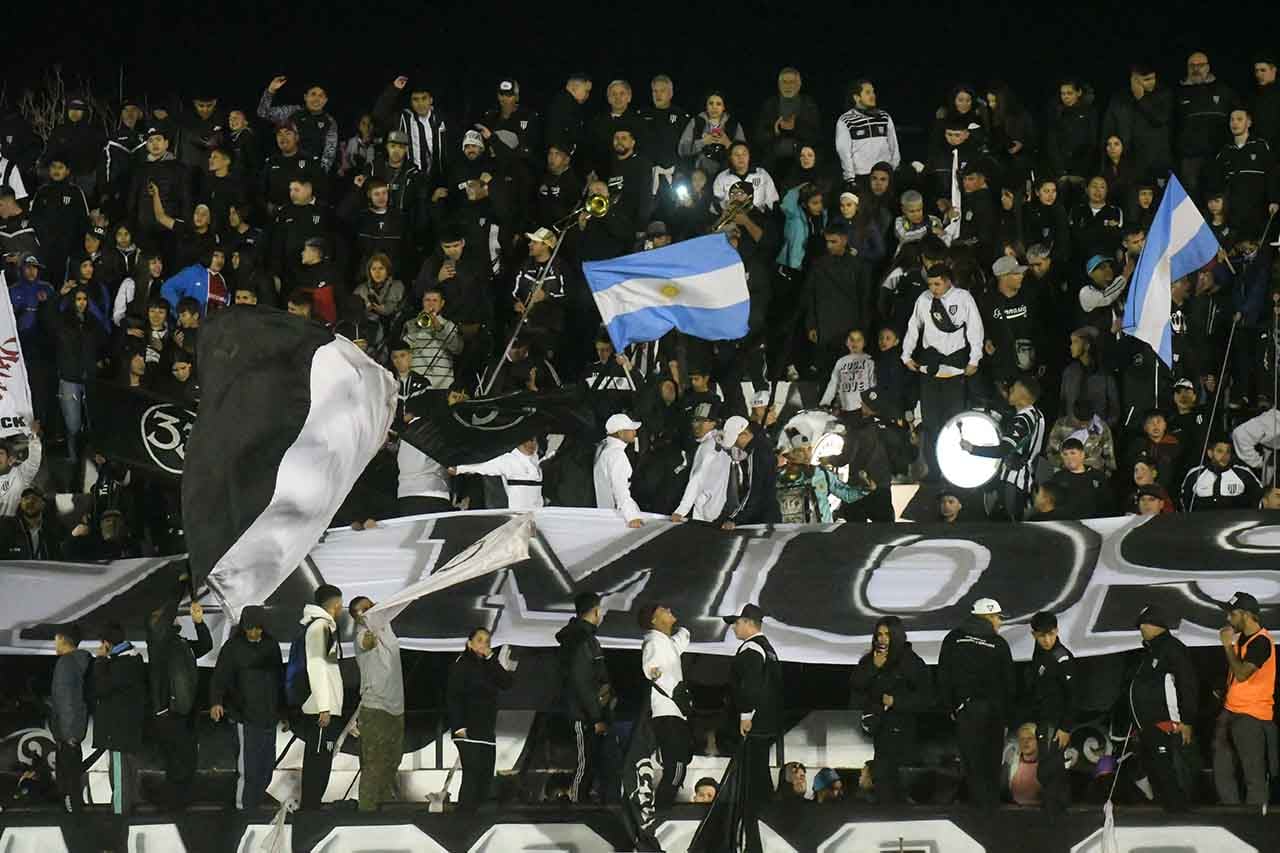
(15, 391)
(504, 546)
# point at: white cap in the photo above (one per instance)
(987, 607)
(542, 235)
(760, 398)
(733, 428)
(619, 422)
(472, 137)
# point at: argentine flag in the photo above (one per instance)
(698, 286)
(1179, 243)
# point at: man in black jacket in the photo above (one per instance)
(975, 683)
(475, 679)
(1163, 698)
(891, 686)
(588, 695)
(756, 680)
(1143, 119)
(174, 679)
(566, 124)
(172, 179)
(1052, 669)
(120, 712)
(247, 689)
(1202, 106)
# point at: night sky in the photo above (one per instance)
(913, 51)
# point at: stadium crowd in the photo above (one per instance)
(909, 289)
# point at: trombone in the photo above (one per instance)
(596, 206)
(731, 211)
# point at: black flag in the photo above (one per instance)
(640, 771)
(478, 430)
(724, 828)
(290, 415)
(139, 428)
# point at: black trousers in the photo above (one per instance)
(1051, 770)
(755, 774)
(894, 745)
(477, 773)
(317, 760)
(588, 750)
(980, 736)
(1169, 766)
(877, 506)
(70, 775)
(675, 747)
(180, 754)
(939, 400)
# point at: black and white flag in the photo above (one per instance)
(290, 415)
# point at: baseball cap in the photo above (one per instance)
(472, 137)
(543, 235)
(77, 104)
(1243, 601)
(253, 616)
(749, 611)
(1095, 262)
(825, 779)
(508, 87)
(1006, 265)
(986, 607)
(619, 422)
(314, 243)
(1149, 491)
(399, 137)
(157, 130)
(96, 231)
(1153, 614)
(733, 428)
(1184, 383)
(32, 260)
(32, 490)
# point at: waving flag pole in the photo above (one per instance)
(1179, 242)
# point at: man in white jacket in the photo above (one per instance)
(520, 470)
(660, 653)
(865, 136)
(612, 471)
(17, 473)
(709, 480)
(323, 708)
(1256, 441)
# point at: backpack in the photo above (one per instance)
(297, 683)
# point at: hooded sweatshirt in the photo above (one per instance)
(323, 653)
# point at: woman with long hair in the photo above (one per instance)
(708, 135)
(136, 291)
(1011, 133)
(1118, 170)
(891, 686)
(963, 104)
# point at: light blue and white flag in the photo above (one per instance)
(1179, 242)
(698, 286)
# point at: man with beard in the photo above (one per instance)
(561, 187)
(288, 164)
(1202, 106)
(317, 130)
(865, 136)
(891, 686)
(1245, 736)
(786, 121)
(1012, 323)
(630, 179)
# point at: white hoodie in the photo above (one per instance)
(659, 650)
(322, 662)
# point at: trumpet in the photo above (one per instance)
(731, 211)
(596, 206)
(423, 319)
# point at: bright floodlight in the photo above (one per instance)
(963, 469)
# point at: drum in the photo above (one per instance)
(962, 469)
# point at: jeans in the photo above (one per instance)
(71, 399)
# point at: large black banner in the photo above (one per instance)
(139, 428)
(823, 588)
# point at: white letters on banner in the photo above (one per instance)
(15, 391)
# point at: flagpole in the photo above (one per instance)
(1217, 393)
(524, 317)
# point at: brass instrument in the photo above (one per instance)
(731, 211)
(596, 206)
(423, 319)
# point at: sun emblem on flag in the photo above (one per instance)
(669, 290)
